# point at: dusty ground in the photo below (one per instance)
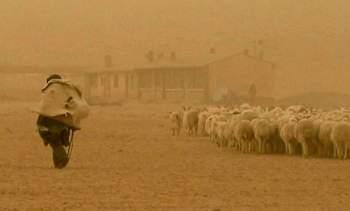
(125, 159)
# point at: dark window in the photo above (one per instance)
(196, 79)
(146, 80)
(174, 79)
(116, 81)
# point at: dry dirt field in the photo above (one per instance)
(125, 159)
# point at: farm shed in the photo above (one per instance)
(238, 73)
(111, 85)
(212, 78)
(172, 82)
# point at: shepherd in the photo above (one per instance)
(60, 111)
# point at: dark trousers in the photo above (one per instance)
(55, 134)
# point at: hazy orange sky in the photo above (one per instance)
(308, 40)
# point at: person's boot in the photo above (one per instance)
(59, 156)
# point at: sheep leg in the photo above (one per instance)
(322, 152)
(264, 146)
(305, 149)
(250, 147)
(335, 150)
(280, 147)
(244, 146)
(327, 152)
(330, 148)
(290, 148)
(286, 145)
(340, 151)
(259, 145)
(255, 146)
(276, 146)
(229, 143)
(315, 149)
(319, 150)
(271, 147)
(236, 144)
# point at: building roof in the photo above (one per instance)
(202, 61)
(243, 53)
(108, 70)
(189, 61)
(166, 66)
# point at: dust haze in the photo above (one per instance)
(190, 104)
(308, 40)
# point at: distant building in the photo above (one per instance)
(207, 81)
(109, 85)
(157, 80)
(172, 82)
(239, 72)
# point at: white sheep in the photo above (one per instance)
(340, 137)
(202, 117)
(306, 133)
(263, 133)
(176, 123)
(324, 136)
(244, 134)
(190, 120)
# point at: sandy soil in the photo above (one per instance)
(125, 159)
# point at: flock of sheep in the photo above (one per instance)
(296, 130)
